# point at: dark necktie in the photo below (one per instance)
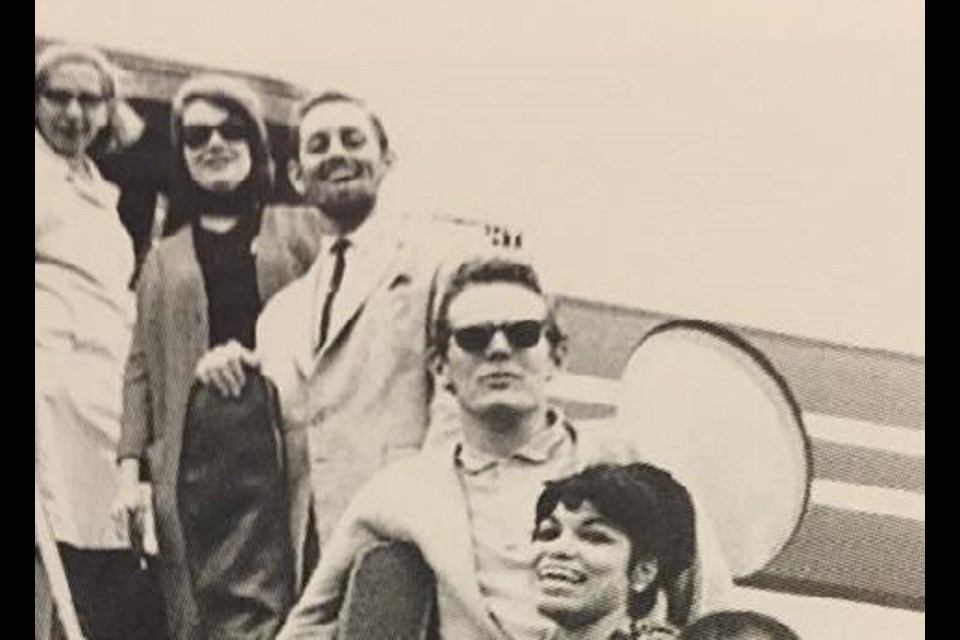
(339, 266)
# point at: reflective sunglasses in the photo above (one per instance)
(522, 334)
(62, 97)
(198, 135)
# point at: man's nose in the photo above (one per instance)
(334, 146)
(74, 110)
(499, 345)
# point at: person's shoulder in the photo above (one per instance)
(167, 262)
(296, 227)
(284, 217)
(412, 476)
(180, 236)
(420, 466)
(289, 299)
(173, 245)
(106, 189)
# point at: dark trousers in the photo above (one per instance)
(115, 598)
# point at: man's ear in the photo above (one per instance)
(558, 353)
(643, 574)
(437, 364)
(389, 157)
(295, 173)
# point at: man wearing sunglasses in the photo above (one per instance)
(468, 505)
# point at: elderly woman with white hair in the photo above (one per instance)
(84, 313)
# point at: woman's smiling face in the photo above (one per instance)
(71, 107)
(582, 566)
(216, 147)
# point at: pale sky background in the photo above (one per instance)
(748, 161)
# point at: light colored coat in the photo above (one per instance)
(83, 311)
(366, 398)
(170, 337)
(421, 500)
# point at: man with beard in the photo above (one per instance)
(346, 344)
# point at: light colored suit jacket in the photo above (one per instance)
(365, 399)
(170, 337)
(420, 500)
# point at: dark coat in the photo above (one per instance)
(233, 510)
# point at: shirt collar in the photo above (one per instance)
(539, 449)
(381, 228)
(47, 161)
(45, 157)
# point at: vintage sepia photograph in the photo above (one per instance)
(484, 321)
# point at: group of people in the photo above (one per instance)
(298, 383)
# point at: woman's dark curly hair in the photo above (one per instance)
(644, 502)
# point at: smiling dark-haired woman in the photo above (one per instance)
(610, 542)
(199, 295)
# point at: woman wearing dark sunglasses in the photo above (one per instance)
(200, 293)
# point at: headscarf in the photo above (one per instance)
(124, 127)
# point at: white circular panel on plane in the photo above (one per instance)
(713, 409)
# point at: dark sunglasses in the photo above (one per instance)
(62, 97)
(198, 135)
(522, 334)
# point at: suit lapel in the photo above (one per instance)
(304, 316)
